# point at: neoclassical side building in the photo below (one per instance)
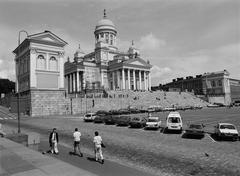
(107, 67)
(39, 64)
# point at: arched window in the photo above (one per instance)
(53, 64)
(41, 62)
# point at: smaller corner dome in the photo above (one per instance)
(79, 50)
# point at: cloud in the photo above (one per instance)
(157, 72)
(198, 62)
(150, 42)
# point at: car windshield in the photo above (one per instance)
(231, 127)
(195, 126)
(152, 120)
(174, 120)
(88, 115)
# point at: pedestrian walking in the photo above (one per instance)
(76, 145)
(53, 141)
(98, 144)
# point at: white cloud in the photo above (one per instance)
(157, 72)
(151, 42)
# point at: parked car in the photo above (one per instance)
(174, 122)
(110, 119)
(153, 123)
(138, 121)
(227, 131)
(100, 118)
(89, 117)
(124, 111)
(123, 120)
(195, 130)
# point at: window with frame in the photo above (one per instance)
(213, 84)
(219, 82)
(53, 64)
(41, 62)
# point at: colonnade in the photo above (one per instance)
(130, 79)
(75, 82)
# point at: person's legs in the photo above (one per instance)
(52, 147)
(74, 147)
(79, 149)
(101, 155)
(96, 153)
(55, 148)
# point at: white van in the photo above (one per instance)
(174, 121)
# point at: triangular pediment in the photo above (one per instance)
(138, 62)
(47, 36)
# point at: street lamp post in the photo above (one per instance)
(18, 94)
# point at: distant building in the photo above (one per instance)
(215, 87)
(107, 67)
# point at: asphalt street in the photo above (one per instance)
(88, 163)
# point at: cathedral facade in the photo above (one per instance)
(107, 67)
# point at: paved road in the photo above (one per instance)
(88, 163)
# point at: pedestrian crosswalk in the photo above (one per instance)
(6, 115)
(8, 118)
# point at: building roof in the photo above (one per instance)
(46, 37)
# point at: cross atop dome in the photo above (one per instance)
(104, 13)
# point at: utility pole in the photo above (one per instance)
(18, 93)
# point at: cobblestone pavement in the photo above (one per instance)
(154, 151)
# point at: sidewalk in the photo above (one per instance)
(18, 160)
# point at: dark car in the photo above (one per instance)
(195, 130)
(123, 120)
(110, 119)
(138, 122)
(134, 110)
(100, 118)
(124, 111)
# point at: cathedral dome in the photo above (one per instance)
(105, 24)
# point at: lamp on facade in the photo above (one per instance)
(18, 93)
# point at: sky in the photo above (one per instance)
(179, 37)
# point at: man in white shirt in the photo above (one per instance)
(97, 140)
(77, 136)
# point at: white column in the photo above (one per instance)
(47, 61)
(74, 82)
(70, 83)
(140, 80)
(102, 78)
(113, 79)
(134, 80)
(33, 65)
(129, 82)
(78, 81)
(123, 79)
(61, 70)
(145, 80)
(118, 79)
(149, 81)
